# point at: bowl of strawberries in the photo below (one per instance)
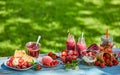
(20, 61)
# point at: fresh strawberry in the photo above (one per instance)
(64, 53)
(29, 64)
(50, 54)
(18, 67)
(107, 61)
(9, 63)
(23, 66)
(106, 55)
(75, 53)
(97, 63)
(38, 67)
(11, 58)
(110, 64)
(63, 59)
(102, 65)
(25, 63)
(84, 53)
(54, 56)
(70, 52)
(21, 60)
(51, 64)
(74, 57)
(115, 62)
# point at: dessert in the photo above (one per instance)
(49, 62)
(20, 60)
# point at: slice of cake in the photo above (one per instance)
(28, 58)
(19, 53)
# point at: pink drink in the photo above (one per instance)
(70, 44)
(81, 47)
(33, 49)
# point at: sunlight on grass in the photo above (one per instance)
(22, 21)
(73, 30)
(48, 3)
(45, 50)
(7, 44)
(115, 2)
(78, 4)
(2, 2)
(53, 25)
(98, 3)
(85, 12)
(19, 19)
(91, 21)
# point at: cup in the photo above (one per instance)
(33, 49)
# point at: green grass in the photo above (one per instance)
(22, 21)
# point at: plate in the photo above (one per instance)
(49, 66)
(5, 63)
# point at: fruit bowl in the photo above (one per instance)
(89, 56)
(68, 56)
(25, 66)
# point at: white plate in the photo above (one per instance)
(5, 63)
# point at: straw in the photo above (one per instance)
(82, 35)
(39, 37)
(106, 33)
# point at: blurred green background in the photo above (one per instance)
(22, 21)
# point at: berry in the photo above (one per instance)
(110, 64)
(38, 67)
(50, 54)
(64, 53)
(102, 65)
(97, 63)
(115, 62)
(54, 56)
(107, 61)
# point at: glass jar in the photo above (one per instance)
(106, 44)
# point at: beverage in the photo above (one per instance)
(33, 49)
(106, 44)
(70, 43)
(81, 46)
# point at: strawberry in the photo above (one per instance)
(75, 52)
(84, 53)
(24, 66)
(11, 58)
(110, 64)
(50, 54)
(21, 60)
(102, 65)
(64, 53)
(115, 62)
(97, 63)
(38, 67)
(74, 57)
(54, 56)
(107, 61)
(106, 55)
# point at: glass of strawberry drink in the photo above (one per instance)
(81, 45)
(70, 43)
